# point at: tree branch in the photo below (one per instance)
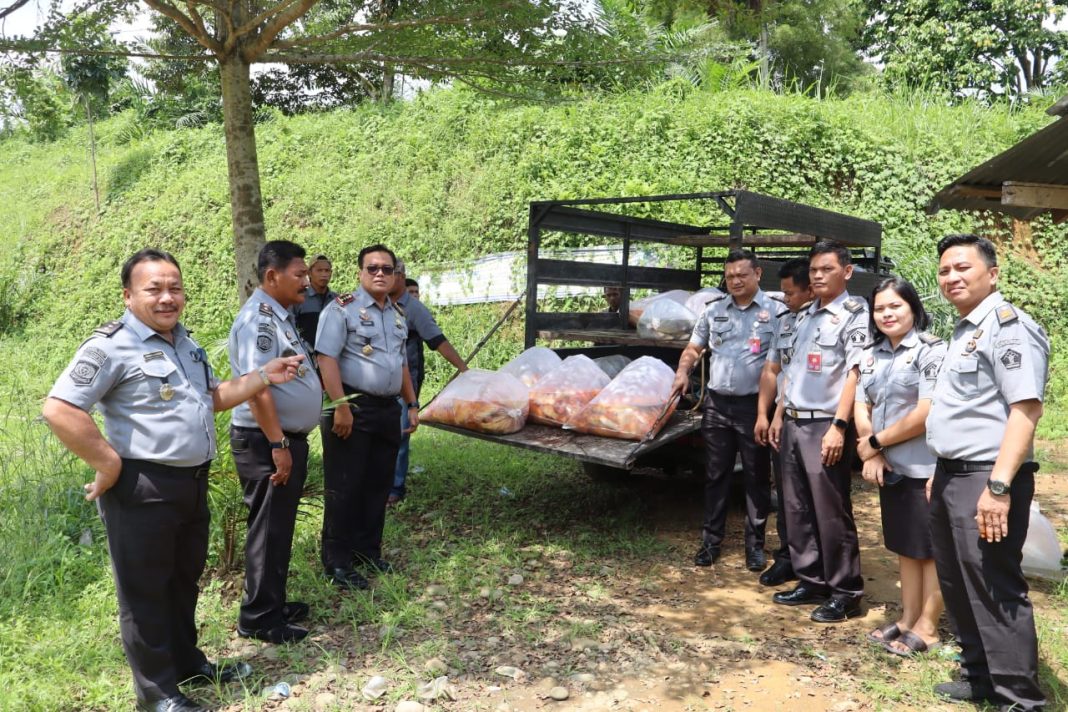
(255, 22)
(4, 12)
(17, 48)
(459, 61)
(168, 10)
(274, 26)
(344, 30)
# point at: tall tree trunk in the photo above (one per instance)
(388, 77)
(246, 205)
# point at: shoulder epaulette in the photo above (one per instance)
(783, 313)
(716, 298)
(929, 339)
(869, 347)
(804, 307)
(776, 297)
(400, 309)
(109, 329)
(853, 305)
(1006, 314)
(344, 299)
(265, 308)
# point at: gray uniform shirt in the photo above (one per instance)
(738, 340)
(998, 356)
(782, 345)
(827, 343)
(892, 382)
(306, 314)
(263, 330)
(156, 399)
(367, 341)
(421, 327)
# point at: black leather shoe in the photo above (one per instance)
(837, 609)
(965, 691)
(706, 555)
(377, 566)
(779, 573)
(347, 578)
(211, 673)
(284, 633)
(756, 559)
(802, 595)
(178, 703)
(295, 611)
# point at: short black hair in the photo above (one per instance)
(375, 248)
(797, 270)
(277, 254)
(409, 282)
(905, 290)
(833, 247)
(149, 254)
(986, 248)
(739, 255)
(321, 258)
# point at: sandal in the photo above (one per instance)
(890, 631)
(914, 643)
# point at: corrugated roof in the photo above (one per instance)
(1039, 158)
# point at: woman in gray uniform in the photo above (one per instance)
(896, 377)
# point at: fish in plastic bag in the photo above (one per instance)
(638, 306)
(566, 390)
(666, 319)
(634, 406)
(483, 401)
(613, 364)
(532, 364)
(1042, 549)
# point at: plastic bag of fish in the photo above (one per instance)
(634, 406)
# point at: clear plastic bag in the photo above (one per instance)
(484, 401)
(634, 406)
(700, 300)
(613, 364)
(566, 391)
(666, 319)
(638, 306)
(1042, 549)
(532, 364)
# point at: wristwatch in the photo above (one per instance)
(997, 487)
(413, 404)
(874, 442)
(282, 444)
(840, 424)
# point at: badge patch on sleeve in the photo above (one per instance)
(84, 372)
(931, 372)
(858, 336)
(264, 342)
(1011, 359)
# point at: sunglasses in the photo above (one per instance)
(375, 269)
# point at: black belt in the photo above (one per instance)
(377, 400)
(733, 399)
(958, 467)
(291, 436)
(195, 471)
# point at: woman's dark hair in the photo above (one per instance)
(905, 290)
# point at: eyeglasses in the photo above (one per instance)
(375, 269)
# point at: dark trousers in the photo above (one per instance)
(156, 520)
(982, 584)
(727, 429)
(272, 516)
(782, 553)
(824, 548)
(357, 474)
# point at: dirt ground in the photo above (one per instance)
(664, 635)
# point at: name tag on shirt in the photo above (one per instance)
(754, 344)
(815, 362)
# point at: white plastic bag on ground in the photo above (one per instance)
(566, 390)
(613, 364)
(1042, 549)
(532, 364)
(484, 401)
(638, 306)
(700, 300)
(666, 319)
(634, 406)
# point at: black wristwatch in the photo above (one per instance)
(874, 442)
(840, 424)
(282, 444)
(997, 487)
(413, 404)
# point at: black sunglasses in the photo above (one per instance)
(375, 269)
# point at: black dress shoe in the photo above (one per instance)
(837, 609)
(965, 691)
(779, 573)
(295, 611)
(802, 595)
(377, 566)
(706, 555)
(285, 633)
(178, 703)
(347, 578)
(211, 673)
(756, 559)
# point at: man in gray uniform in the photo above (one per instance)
(986, 404)
(361, 353)
(157, 393)
(797, 295)
(421, 328)
(269, 440)
(317, 294)
(737, 330)
(818, 441)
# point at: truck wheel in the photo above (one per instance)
(604, 473)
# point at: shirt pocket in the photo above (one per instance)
(964, 377)
(722, 331)
(364, 335)
(155, 380)
(828, 346)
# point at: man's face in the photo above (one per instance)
(613, 296)
(373, 274)
(742, 279)
(398, 288)
(828, 276)
(320, 274)
(287, 285)
(413, 290)
(964, 277)
(795, 295)
(155, 295)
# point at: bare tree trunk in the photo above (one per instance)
(246, 204)
(388, 77)
(92, 150)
